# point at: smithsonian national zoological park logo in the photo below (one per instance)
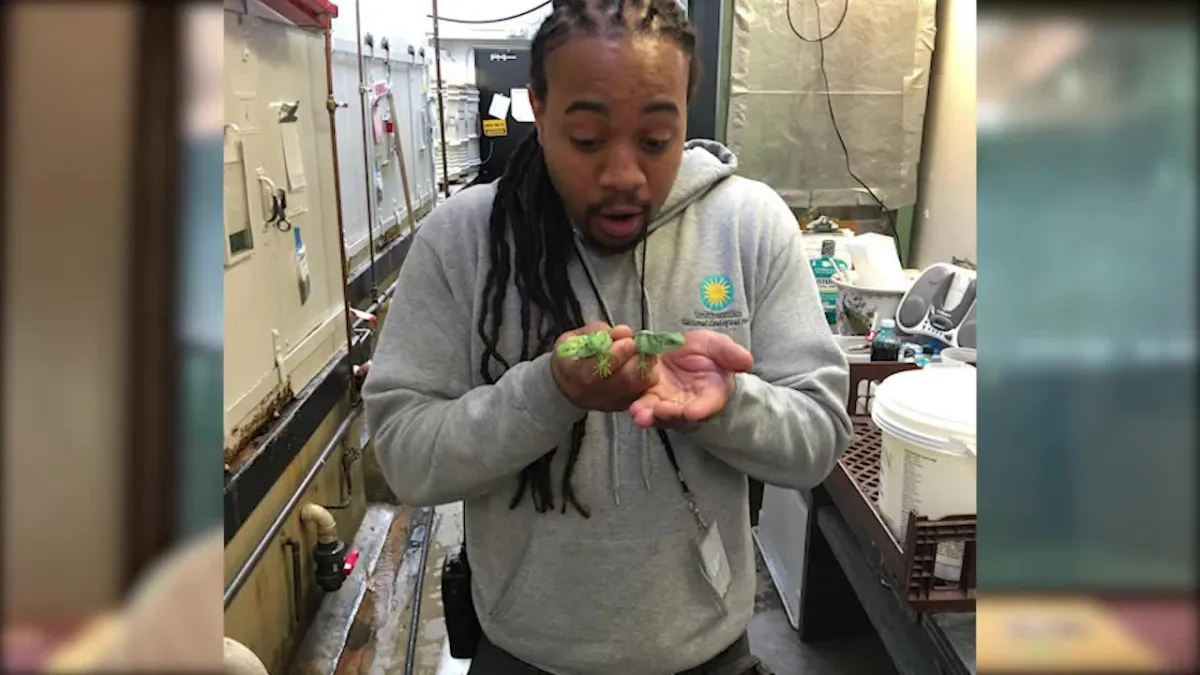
(716, 292)
(716, 295)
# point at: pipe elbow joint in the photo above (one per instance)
(327, 530)
(329, 555)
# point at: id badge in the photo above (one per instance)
(714, 564)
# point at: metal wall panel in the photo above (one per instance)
(276, 337)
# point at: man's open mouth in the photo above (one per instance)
(621, 215)
(620, 224)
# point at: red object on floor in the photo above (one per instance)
(305, 13)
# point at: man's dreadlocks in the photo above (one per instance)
(528, 210)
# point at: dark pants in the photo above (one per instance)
(736, 660)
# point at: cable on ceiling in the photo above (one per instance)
(500, 20)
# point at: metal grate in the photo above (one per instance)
(912, 561)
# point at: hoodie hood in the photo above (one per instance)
(705, 163)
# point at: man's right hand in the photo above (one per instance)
(578, 381)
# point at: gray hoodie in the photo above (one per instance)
(621, 591)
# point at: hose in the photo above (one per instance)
(414, 621)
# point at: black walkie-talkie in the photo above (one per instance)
(462, 623)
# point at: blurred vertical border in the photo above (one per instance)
(91, 169)
(200, 273)
(82, 303)
(1087, 232)
(152, 479)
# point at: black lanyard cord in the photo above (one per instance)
(662, 434)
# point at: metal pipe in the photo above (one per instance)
(348, 484)
(294, 545)
(412, 217)
(326, 525)
(368, 179)
(260, 549)
(437, 61)
(331, 105)
(397, 137)
(419, 590)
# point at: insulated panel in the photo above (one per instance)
(277, 334)
(405, 80)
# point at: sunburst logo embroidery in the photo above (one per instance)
(716, 292)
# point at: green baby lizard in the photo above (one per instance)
(599, 345)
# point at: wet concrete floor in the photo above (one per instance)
(363, 629)
(771, 636)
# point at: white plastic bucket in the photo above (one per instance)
(927, 462)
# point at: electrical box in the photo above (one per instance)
(503, 71)
(283, 277)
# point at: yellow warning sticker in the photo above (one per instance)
(495, 128)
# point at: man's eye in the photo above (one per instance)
(655, 145)
(586, 143)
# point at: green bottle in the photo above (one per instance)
(823, 269)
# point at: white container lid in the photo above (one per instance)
(932, 408)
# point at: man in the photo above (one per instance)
(589, 552)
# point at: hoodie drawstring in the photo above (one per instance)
(639, 268)
(612, 423)
(705, 164)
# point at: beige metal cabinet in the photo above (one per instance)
(276, 336)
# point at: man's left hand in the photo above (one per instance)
(694, 382)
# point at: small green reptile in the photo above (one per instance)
(599, 345)
(651, 344)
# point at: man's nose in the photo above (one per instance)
(622, 173)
